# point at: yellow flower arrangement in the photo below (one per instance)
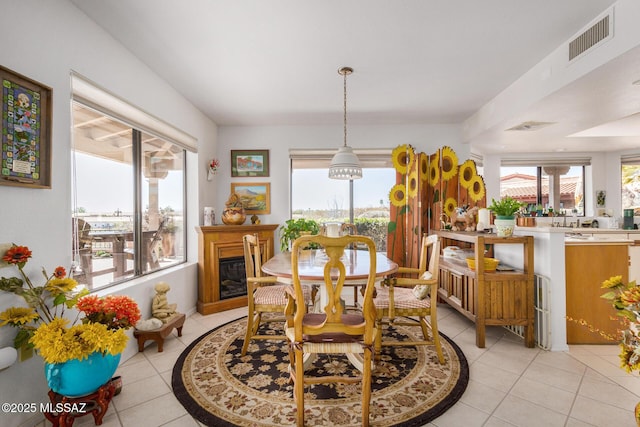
(42, 324)
(625, 298)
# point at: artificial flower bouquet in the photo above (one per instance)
(626, 300)
(42, 323)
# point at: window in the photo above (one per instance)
(128, 195)
(365, 202)
(631, 184)
(554, 188)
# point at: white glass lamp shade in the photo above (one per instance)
(345, 165)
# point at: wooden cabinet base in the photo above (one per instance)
(502, 298)
(586, 267)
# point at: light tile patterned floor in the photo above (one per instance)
(510, 385)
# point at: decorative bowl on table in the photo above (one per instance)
(490, 264)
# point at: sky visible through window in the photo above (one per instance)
(312, 189)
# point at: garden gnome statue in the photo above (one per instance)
(160, 308)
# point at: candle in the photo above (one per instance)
(483, 218)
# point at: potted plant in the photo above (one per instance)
(294, 228)
(505, 210)
(79, 358)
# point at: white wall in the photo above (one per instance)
(279, 139)
(45, 41)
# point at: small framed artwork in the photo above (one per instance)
(601, 198)
(249, 163)
(26, 131)
(255, 196)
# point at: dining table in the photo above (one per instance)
(311, 267)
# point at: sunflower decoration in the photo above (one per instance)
(449, 163)
(476, 188)
(450, 206)
(467, 172)
(398, 195)
(412, 183)
(434, 169)
(402, 157)
(423, 163)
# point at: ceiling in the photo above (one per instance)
(257, 62)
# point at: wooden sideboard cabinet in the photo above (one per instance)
(489, 298)
(221, 274)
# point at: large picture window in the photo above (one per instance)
(554, 189)
(631, 184)
(128, 200)
(363, 202)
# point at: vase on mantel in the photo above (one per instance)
(234, 215)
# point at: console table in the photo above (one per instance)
(220, 243)
(489, 298)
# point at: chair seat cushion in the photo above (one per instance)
(403, 299)
(315, 319)
(270, 295)
(276, 295)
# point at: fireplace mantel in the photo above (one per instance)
(222, 242)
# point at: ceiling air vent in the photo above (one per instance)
(595, 34)
(530, 126)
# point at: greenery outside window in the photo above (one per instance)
(363, 202)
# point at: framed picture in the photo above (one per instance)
(249, 162)
(26, 131)
(255, 196)
(601, 198)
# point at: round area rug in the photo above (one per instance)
(219, 387)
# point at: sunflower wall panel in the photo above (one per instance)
(428, 190)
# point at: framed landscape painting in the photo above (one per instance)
(249, 163)
(26, 131)
(255, 196)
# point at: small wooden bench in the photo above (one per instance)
(159, 334)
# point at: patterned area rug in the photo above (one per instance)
(219, 387)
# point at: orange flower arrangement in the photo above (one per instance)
(43, 325)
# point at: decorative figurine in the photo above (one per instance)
(160, 307)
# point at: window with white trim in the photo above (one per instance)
(128, 190)
(363, 202)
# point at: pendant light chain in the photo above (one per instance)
(345, 108)
(345, 164)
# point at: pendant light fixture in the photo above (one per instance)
(345, 164)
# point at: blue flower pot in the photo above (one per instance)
(81, 377)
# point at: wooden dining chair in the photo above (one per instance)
(399, 299)
(332, 330)
(264, 293)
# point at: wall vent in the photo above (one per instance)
(595, 34)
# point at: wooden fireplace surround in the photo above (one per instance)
(219, 242)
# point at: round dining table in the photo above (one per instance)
(311, 267)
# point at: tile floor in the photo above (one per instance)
(510, 385)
